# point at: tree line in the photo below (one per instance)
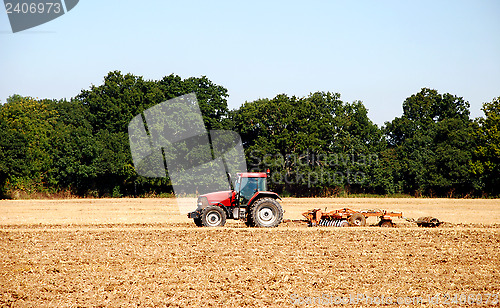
(316, 145)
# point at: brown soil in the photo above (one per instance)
(141, 253)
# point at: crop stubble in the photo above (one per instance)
(177, 264)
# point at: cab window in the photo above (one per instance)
(248, 188)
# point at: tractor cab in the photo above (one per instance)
(248, 184)
(249, 201)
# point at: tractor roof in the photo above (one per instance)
(253, 174)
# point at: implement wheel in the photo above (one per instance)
(386, 224)
(357, 220)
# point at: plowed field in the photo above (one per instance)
(142, 253)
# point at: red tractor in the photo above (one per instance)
(249, 200)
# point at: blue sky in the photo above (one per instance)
(379, 52)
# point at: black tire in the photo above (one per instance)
(197, 222)
(266, 213)
(357, 220)
(213, 216)
(434, 223)
(248, 221)
(386, 224)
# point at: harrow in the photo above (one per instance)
(347, 217)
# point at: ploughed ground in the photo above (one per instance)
(142, 253)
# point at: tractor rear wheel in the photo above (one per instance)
(266, 213)
(357, 220)
(213, 216)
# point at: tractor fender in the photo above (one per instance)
(223, 207)
(263, 194)
(197, 213)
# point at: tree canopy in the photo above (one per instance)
(317, 145)
(485, 164)
(432, 144)
(312, 144)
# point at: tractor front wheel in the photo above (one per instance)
(197, 222)
(213, 216)
(266, 213)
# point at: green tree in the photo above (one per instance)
(81, 160)
(432, 144)
(82, 144)
(313, 145)
(27, 130)
(486, 163)
(112, 105)
(121, 97)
